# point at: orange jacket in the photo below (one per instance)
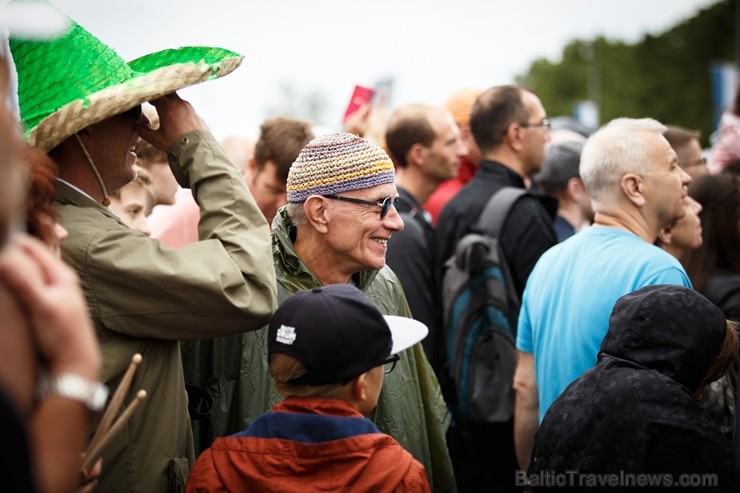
(307, 445)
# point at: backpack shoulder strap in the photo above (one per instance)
(497, 210)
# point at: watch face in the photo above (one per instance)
(99, 397)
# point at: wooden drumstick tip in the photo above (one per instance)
(136, 359)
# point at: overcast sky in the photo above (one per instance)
(429, 47)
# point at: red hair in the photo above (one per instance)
(40, 213)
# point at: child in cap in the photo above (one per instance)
(328, 351)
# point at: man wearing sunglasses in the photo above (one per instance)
(341, 212)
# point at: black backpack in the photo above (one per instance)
(481, 308)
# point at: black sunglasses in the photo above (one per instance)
(384, 206)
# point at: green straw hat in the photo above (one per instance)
(72, 82)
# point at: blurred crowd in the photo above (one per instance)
(127, 228)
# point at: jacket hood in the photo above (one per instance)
(290, 268)
(671, 329)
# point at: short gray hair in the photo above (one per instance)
(617, 148)
(296, 213)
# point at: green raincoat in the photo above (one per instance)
(410, 407)
(144, 296)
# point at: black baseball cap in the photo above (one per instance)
(337, 333)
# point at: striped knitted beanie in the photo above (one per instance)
(336, 163)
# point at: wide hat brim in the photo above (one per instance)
(75, 80)
(155, 75)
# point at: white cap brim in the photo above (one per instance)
(405, 332)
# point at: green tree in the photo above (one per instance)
(666, 77)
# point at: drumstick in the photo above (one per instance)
(115, 403)
(94, 453)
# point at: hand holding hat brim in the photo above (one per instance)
(176, 118)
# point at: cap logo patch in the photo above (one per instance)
(286, 335)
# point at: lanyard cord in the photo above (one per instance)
(106, 200)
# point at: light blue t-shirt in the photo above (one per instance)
(570, 295)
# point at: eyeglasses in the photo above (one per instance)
(390, 363)
(544, 124)
(384, 206)
(693, 162)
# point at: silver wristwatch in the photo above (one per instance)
(71, 386)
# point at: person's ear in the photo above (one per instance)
(415, 155)
(359, 388)
(251, 169)
(317, 212)
(665, 236)
(575, 188)
(89, 137)
(633, 187)
(515, 136)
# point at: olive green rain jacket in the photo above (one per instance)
(144, 296)
(410, 407)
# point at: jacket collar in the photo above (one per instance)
(498, 172)
(501, 172)
(68, 194)
(408, 204)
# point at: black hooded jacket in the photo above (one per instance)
(632, 418)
